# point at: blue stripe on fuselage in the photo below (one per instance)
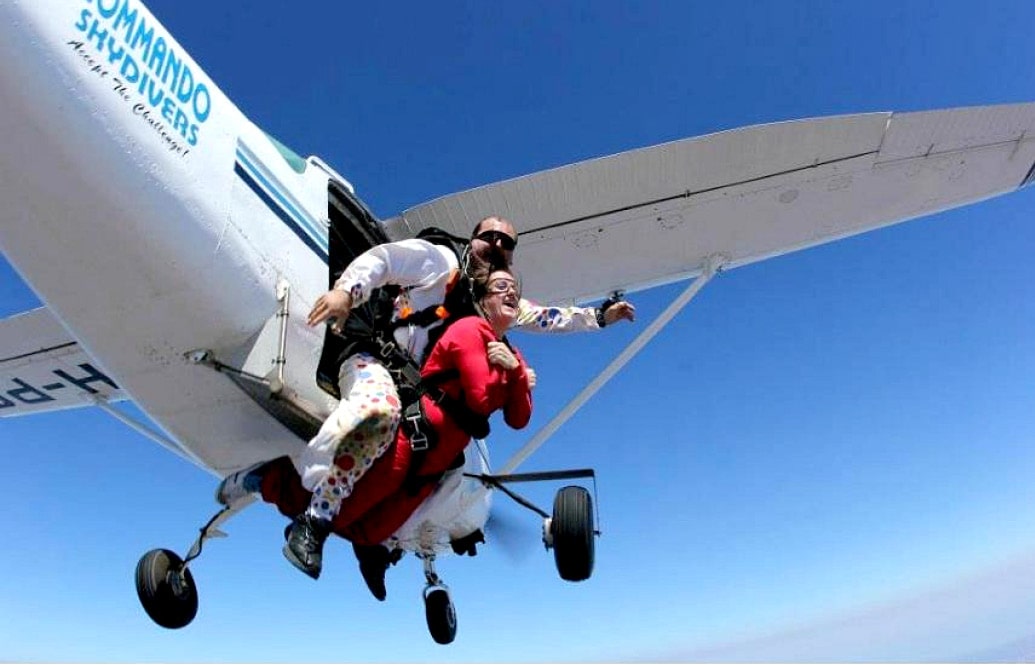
(280, 211)
(255, 167)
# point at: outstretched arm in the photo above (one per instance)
(404, 263)
(536, 318)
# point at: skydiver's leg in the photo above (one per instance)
(282, 487)
(358, 432)
(361, 427)
(373, 415)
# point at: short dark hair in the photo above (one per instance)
(478, 226)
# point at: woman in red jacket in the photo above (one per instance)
(476, 373)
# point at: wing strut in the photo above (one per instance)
(712, 266)
(160, 439)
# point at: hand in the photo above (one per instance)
(333, 304)
(618, 311)
(501, 356)
(530, 373)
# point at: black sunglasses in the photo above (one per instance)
(492, 237)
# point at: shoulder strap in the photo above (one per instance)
(459, 301)
(437, 236)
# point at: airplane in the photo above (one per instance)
(163, 177)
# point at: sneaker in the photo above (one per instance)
(304, 547)
(240, 484)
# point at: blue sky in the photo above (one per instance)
(827, 457)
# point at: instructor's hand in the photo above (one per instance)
(619, 311)
(333, 304)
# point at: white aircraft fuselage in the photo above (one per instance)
(153, 219)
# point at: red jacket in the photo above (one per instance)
(379, 504)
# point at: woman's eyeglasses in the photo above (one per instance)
(502, 286)
(505, 241)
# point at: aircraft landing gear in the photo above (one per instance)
(165, 586)
(571, 534)
(166, 589)
(438, 606)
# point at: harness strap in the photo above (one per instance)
(424, 318)
(422, 437)
(414, 481)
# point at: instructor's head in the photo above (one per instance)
(494, 238)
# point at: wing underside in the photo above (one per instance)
(43, 368)
(657, 214)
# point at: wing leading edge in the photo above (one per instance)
(43, 368)
(655, 215)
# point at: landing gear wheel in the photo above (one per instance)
(441, 615)
(572, 533)
(166, 589)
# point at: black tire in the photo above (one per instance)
(573, 533)
(441, 615)
(169, 605)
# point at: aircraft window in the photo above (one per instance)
(290, 156)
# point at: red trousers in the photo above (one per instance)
(378, 505)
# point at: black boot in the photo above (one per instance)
(373, 563)
(305, 539)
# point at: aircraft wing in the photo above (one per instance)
(654, 215)
(43, 368)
